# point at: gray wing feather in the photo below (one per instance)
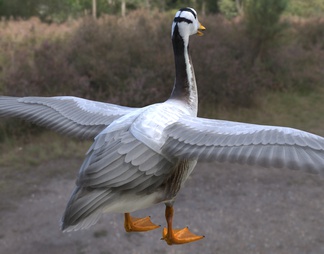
(122, 162)
(68, 115)
(150, 164)
(142, 158)
(116, 163)
(225, 141)
(84, 208)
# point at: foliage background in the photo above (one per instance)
(259, 50)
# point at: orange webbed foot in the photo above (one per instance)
(133, 224)
(180, 236)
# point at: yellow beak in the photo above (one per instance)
(200, 29)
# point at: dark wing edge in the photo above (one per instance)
(233, 142)
(71, 116)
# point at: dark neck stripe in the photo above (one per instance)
(180, 19)
(189, 10)
(181, 86)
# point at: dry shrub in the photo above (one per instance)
(222, 64)
(123, 60)
(129, 60)
(126, 59)
(19, 41)
(298, 64)
(310, 32)
(227, 75)
(20, 30)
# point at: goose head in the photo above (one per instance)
(186, 23)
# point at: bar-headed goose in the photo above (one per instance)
(142, 156)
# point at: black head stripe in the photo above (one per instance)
(189, 10)
(180, 19)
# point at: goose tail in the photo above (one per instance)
(84, 208)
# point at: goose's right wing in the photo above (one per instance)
(68, 115)
(233, 142)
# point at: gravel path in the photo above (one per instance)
(238, 209)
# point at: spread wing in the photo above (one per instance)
(225, 141)
(68, 115)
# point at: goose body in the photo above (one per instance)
(142, 156)
(125, 169)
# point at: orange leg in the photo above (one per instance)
(177, 236)
(133, 224)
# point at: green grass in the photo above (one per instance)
(290, 109)
(39, 149)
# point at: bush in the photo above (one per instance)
(129, 60)
(123, 57)
(263, 26)
(310, 33)
(309, 8)
(228, 8)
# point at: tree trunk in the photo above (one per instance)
(239, 6)
(94, 9)
(203, 8)
(123, 8)
(148, 4)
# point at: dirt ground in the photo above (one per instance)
(238, 209)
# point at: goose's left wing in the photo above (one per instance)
(67, 115)
(226, 141)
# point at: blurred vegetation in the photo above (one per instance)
(230, 8)
(300, 8)
(263, 26)
(309, 8)
(118, 59)
(60, 11)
